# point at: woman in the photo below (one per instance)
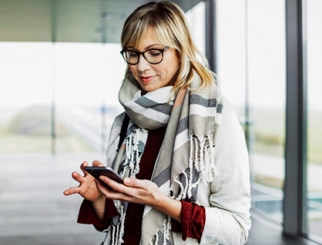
(184, 159)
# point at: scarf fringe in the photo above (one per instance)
(166, 233)
(202, 159)
(118, 230)
(132, 166)
(133, 154)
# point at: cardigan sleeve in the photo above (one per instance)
(193, 219)
(87, 215)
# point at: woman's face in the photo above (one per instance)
(155, 76)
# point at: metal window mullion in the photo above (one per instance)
(295, 145)
(210, 34)
(53, 20)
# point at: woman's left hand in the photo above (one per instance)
(142, 192)
(132, 190)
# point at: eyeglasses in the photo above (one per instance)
(153, 56)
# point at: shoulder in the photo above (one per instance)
(230, 134)
(229, 114)
(114, 137)
(116, 126)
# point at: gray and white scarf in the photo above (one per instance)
(186, 156)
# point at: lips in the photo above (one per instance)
(146, 79)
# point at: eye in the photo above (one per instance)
(153, 52)
(131, 54)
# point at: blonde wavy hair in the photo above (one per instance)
(171, 29)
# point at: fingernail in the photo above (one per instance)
(127, 180)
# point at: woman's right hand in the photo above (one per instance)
(87, 186)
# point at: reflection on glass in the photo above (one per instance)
(314, 64)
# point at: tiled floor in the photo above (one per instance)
(267, 233)
(33, 210)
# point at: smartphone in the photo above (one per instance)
(103, 170)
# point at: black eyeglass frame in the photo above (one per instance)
(142, 53)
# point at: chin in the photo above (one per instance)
(148, 87)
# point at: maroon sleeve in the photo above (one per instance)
(193, 218)
(87, 214)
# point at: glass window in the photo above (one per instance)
(267, 80)
(87, 79)
(196, 21)
(25, 97)
(230, 17)
(314, 79)
(81, 82)
(58, 97)
(251, 73)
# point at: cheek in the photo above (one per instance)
(133, 71)
(175, 67)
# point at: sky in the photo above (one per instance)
(90, 74)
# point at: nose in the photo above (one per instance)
(143, 64)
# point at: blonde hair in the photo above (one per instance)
(171, 29)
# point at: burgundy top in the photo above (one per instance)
(192, 215)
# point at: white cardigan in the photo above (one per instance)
(227, 198)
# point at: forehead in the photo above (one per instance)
(148, 39)
(145, 38)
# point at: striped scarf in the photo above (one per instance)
(186, 156)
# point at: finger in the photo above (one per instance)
(133, 182)
(117, 191)
(82, 167)
(99, 185)
(76, 176)
(71, 191)
(97, 163)
(111, 185)
(104, 189)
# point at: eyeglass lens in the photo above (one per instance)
(152, 56)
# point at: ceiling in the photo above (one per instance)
(98, 21)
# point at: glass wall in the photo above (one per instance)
(266, 80)
(25, 97)
(58, 98)
(251, 72)
(231, 53)
(314, 83)
(86, 82)
(54, 98)
(196, 21)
